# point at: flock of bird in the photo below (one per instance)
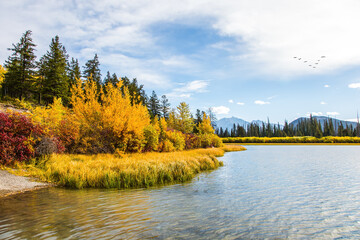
(313, 65)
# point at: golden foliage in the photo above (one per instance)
(50, 117)
(109, 120)
(131, 170)
(205, 126)
(2, 74)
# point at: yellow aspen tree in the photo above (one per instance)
(205, 126)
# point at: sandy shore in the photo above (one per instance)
(12, 184)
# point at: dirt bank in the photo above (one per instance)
(12, 184)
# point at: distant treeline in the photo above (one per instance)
(270, 140)
(305, 127)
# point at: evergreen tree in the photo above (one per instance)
(233, 131)
(164, 107)
(286, 129)
(226, 133)
(111, 79)
(154, 105)
(74, 71)
(198, 117)
(318, 133)
(92, 71)
(137, 93)
(21, 68)
(53, 68)
(221, 132)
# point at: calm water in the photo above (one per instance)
(295, 192)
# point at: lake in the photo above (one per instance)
(295, 192)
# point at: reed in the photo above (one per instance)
(139, 170)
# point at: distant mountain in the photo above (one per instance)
(323, 119)
(228, 123)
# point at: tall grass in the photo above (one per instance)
(130, 171)
(291, 140)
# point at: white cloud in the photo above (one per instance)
(326, 86)
(231, 101)
(332, 113)
(221, 110)
(194, 86)
(269, 35)
(260, 102)
(314, 113)
(322, 103)
(188, 89)
(272, 97)
(354, 85)
(352, 120)
(240, 103)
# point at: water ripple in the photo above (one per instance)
(267, 192)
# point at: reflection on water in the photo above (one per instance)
(296, 192)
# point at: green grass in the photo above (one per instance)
(130, 171)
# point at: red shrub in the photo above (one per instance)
(17, 138)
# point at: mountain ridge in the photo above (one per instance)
(227, 123)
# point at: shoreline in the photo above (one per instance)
(11, 184)
(140, 171)
(338, 144)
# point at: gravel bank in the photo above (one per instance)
(11, 184)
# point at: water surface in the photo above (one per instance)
(295, 192)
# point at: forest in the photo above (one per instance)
(306, 127)
(73, 111)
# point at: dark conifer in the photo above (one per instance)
(53, 68)
(92, 71)
(165, 107)
(21, 68)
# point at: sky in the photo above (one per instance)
(243, 58)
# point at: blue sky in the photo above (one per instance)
(236, 57)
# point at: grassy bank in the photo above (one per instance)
(293, 140)
(130, 171)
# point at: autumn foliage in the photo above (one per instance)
(104, 120)
(18, 136)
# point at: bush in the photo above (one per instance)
(48, 145)
(177, 139)
(18, 136)
(151, 138)
(166, 146)
(210, 140)
(192, 141)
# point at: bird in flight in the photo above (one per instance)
(323, 57)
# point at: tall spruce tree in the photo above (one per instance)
(154, 105)
(92, 71)
(164, 107)
(21, 68)
(74, 72)
(111, 79)
(137, 92)
(53, 68)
